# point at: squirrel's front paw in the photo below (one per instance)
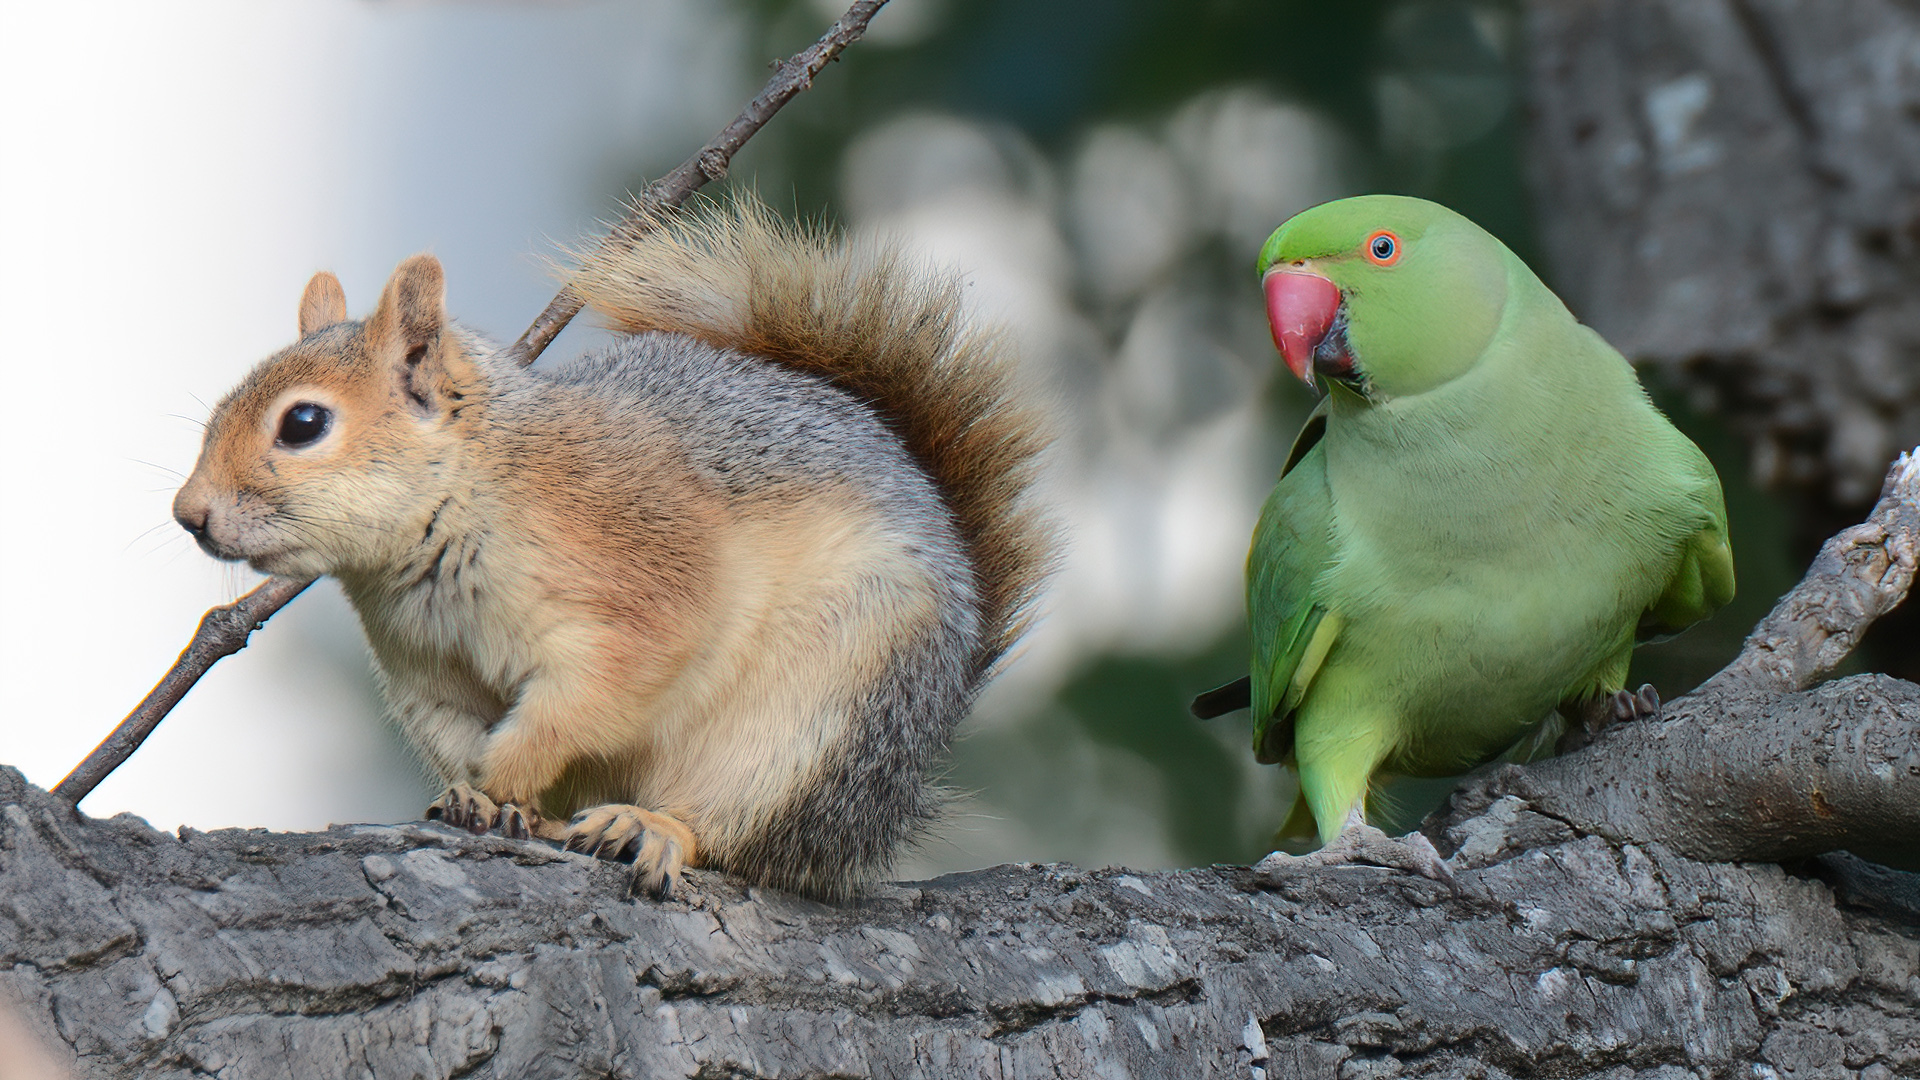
(464, 807)
(469, 808)
(522, 823)
(659, 846)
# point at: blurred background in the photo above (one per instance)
(1102, 172)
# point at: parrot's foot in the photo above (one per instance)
(1360, 844)
(1591, 716)
(1642, 704)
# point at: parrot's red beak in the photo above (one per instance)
(1301, 307)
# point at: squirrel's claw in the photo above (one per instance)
(518, 822)
(464, 807)
(469, 808)
(660, 846)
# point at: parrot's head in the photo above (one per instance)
(1383, 295)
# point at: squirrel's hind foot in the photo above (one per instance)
(471, 809)
(659, 846)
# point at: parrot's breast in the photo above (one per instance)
(1495, 549)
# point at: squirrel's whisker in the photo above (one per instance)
(159, 468)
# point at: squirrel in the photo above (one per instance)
(715, 595)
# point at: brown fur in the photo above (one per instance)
(737, 277)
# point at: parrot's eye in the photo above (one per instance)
(303, 423)
(1384, 248)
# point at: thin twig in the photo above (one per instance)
(224, 630)
(790, 77)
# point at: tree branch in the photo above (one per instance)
(224, 630)
(422, 951)
(1858, 576)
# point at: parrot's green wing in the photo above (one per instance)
(1702, 578)
(1292, 629)
(1701, 583)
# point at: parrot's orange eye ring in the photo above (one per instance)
(1383, 247)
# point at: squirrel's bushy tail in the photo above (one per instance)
(878, 325)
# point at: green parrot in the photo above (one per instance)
(1476, 526)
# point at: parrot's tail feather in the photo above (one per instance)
(1222, 700)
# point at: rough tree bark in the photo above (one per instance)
(1585, 933)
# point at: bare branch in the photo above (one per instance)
(224, 630)
(1859, 575)
(791, 76)
(1756, 778)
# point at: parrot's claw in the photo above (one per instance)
(1589, 717)
(1360, 844)
(1641, 704)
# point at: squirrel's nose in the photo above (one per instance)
(194, 521)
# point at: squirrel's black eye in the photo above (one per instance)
(1383, 247)
(303, 423)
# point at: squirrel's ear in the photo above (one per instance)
(323, 304)
(413, 305)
